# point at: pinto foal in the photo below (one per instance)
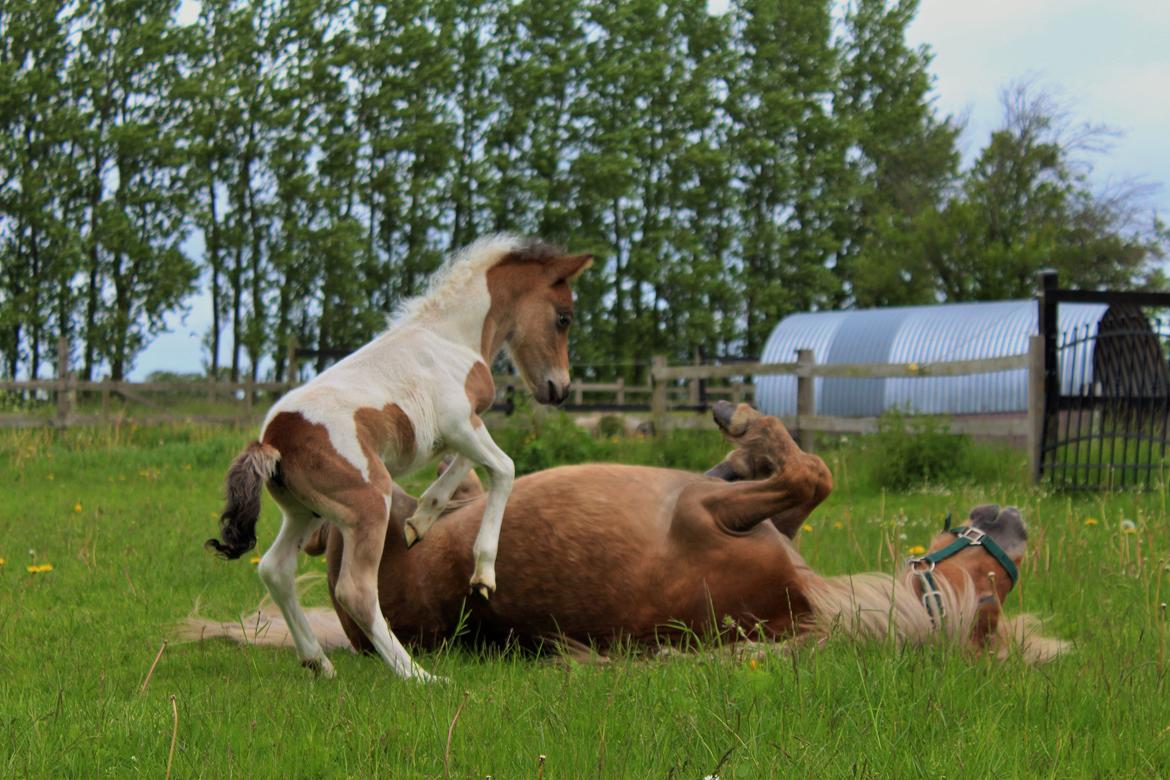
(328, 448)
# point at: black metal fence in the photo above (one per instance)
(1106, 390)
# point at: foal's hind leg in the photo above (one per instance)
(278, 569)
(364, 532)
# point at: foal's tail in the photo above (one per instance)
(247, 475)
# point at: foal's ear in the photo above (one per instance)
(569, 267)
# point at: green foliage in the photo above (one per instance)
(611, 425)
(911, 450)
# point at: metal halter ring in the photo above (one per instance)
(914, 562)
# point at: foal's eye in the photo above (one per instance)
(564, 320)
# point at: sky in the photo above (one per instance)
(1107, 63)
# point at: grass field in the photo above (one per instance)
(121, 516)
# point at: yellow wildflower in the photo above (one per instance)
(255, 559)
(1128, 527)
(807, 528)
(1090, 521)
(50, 477)
(752, 663)
(917, 550)
(838, 525)
(38, 568)
(77, 507)
(3, 561)
(913, 367)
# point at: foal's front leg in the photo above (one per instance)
(475, 443)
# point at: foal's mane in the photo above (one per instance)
(878, 606)
(452, 277)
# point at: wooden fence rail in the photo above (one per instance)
(685, 387)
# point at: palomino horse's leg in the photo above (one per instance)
(477, 445)
(434, 499)
(278, 569)
(357, 581)
(797, 484)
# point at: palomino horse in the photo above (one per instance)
(595, 553)
(327, 449)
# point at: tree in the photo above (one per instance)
(791, 172)
(904, 158)
(1024, 204)
(124, 76)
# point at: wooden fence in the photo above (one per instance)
(670, 389)
(806, 422)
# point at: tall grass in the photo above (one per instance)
(121, 515)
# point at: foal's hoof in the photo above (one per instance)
(320, 667)
(482, 590)
(411, 535)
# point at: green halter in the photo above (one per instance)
(967, 536)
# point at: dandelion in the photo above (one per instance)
(50, 477)
(917, 550)
(752, 663)
(255, 559)
(1128, 527)
(615, 439)
(77, 508)
(807, 528)
(39, 568)
(1090, 521)
(3, 561)
(838, 525)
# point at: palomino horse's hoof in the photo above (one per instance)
(481, 590)
(412, 537)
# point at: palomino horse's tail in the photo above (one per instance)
(246, 477)
(266, 627)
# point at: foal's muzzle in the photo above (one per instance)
(552, 393)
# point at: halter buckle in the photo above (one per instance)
(973, 535)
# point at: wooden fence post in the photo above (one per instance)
(658, 395)
(249, 395)
(621, 391)
(1036, 398)
(290, 367)
(806, 398)
(64, 401)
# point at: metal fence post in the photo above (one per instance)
(1036, 406)
(806, 398)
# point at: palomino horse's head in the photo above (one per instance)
(531, 311)
(984, 554)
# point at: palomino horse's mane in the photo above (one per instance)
(878, 606)
(451, 278)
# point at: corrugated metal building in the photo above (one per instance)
(915, 334)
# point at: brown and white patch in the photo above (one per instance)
(481, 391)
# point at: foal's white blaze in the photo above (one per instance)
(385, 410)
